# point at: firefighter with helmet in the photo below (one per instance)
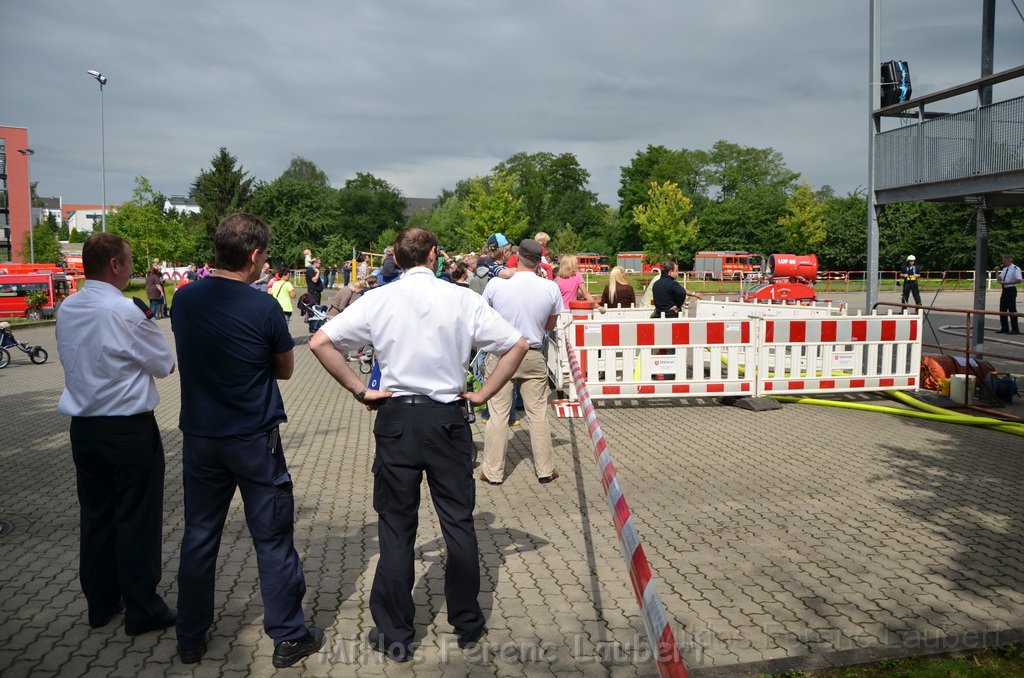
(910, 275)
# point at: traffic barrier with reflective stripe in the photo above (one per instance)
(652, 610)
(665, 356)
(822, 355)
(631, 355)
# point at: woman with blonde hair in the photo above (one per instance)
(571, 283)
(618, 293)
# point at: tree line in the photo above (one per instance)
(671, 203)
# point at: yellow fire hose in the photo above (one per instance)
(924, 411)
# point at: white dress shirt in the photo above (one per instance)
(423, 330)
(527, 301)
(110, 352)
(1010, 276)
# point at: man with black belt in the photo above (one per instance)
(423, 330)
(111, 353)
(668, 295)
(531, 304)
(1009, 277)
(233, 345)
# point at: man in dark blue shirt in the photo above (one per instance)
(668, 295)
(233, 345)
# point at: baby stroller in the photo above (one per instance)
(37, 354)
(316, 317)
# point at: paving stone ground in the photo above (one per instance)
(805, 536)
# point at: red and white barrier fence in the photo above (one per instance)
(823, 355)
(652, 610)
(630, 355)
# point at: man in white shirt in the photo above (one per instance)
(423, 330)
(1009, 277)
(532, 304)
(111, 353)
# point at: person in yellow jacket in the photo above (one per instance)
(281, 288)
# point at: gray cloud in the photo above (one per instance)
(427, 93)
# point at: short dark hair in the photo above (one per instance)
(99, 249)
(412, 247)
(667, 265)
(236, 238)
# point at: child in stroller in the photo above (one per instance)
(37, 354)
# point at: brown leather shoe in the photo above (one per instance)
(489, 481)
(547, 479)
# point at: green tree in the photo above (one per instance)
(634, 183)
(369, 205)
(845, 248)
(662, 220)
(222, 190)
(449, 221)
(490, 208)
(553, 191)
(385, 239)
(305, 171)
(63, 233)
(75, 237)
(749, 221)
(732, 169)
(151, 233)
(803, 224)
(567, 241)
(301, 215)
(43, 242)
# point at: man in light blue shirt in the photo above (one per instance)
(111, 353)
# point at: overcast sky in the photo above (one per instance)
(425, 93)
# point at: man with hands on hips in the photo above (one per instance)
(423, 330)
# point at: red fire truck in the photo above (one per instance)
(15, 288)
(726, 265)
(590, 262)
(636, 262)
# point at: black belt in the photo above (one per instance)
(420, 400)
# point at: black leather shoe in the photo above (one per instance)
(287, 652)
(191, 655)
(104, 619)
(396, 651)
(465, 643)
(1002, 332)
(164, 621)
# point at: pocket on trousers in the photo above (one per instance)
(387, 428)
(284, 505)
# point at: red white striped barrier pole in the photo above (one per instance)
(659, 630)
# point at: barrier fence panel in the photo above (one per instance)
(630, 355)
(645, 358)
(822, 355)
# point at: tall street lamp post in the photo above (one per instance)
(31, 227)
(102, 80)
